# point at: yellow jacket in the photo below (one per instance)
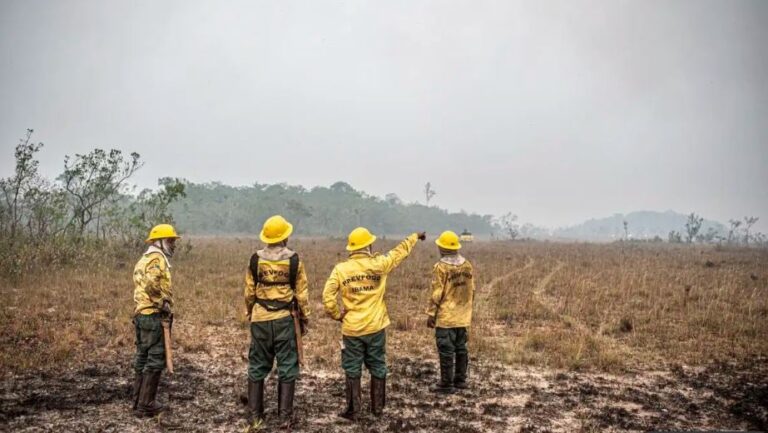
(453, 288)
(152, 281)
(362, 280)
(274, 267)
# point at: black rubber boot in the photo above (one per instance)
(378, 395)
(353, 399)
(148, 405)
(255, 401)
(285, 391)
(446, 375)
(462, 366)
(136, 389)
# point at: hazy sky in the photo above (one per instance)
(557, 111)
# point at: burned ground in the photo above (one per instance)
(205, 398)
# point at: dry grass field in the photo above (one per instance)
(565, 337)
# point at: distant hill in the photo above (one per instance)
(215, 208)
(641, 225)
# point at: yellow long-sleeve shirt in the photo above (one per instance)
(152, 282)
(274, 267)
(362, 281)
(453, 289)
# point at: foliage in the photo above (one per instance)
(214, 208)
(741, 232)
(509, 226)
(710, 236)
(129, 223)
(24, 184)
(626, 229)
(95, 180)
(87, 209)
(748, 223)
(692, 226)
(429, 192)
(733, 230)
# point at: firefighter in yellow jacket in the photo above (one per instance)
(275, 290)
(450, 311)
(154, 299)
(362, 281)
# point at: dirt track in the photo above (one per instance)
(204, 398)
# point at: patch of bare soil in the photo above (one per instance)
(204, 397)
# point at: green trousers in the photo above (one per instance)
(370, 350)
(451, 341)
(150, 347)
(269, 340)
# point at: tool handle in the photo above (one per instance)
(167, 343)
(297, 330)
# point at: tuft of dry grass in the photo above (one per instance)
(572, 306)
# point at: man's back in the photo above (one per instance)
(362, 281)
(455, 275)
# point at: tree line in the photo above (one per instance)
(88, 206)
(215, 208)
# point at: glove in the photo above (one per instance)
(343, 313)
(431, 321)
(421, 235)
(166, 308)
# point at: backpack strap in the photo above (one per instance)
(293, 271)
(254, 267)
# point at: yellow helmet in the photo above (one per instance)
(359, 238)
(162, 231)
(276, 229)
(448, 240)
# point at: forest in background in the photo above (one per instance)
(215, 208)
